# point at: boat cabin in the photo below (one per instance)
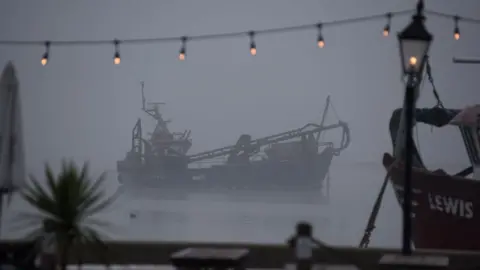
(307, 146)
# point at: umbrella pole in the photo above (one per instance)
(2, 192)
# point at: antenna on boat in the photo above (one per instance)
(153, 112)
(142, 83)
(466, 60)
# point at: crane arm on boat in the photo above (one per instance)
(278, 138)
(254, 145)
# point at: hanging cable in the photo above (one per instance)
(210, 36)
(430, 78)
(237, 34)
(253, 49)
(450, 16)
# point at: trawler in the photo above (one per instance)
(291, 160)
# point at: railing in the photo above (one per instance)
(261, 255)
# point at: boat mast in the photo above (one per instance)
(142, 83)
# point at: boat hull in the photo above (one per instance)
(262, 175)
(445, 208)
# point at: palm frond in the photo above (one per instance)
(35, 195)
(68, 201)
(92, 193)
(50, 178)
(24, 221)
(102, 205)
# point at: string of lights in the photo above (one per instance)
(251, 34)
(456, 20)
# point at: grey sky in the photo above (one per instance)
(83, 106)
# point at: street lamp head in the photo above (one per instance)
(414, 43)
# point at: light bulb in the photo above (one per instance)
(456, 34)
(321, 43)
(44, 61)
(116, 59)
(386, 32)
(181, 56)
(413, 60)
(253, 51)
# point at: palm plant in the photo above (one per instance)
(67, 202)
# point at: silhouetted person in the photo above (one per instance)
(303, 244)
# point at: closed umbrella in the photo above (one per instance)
(12, 162)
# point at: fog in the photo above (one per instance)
(83, 107)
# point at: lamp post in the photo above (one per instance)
(414, 43)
